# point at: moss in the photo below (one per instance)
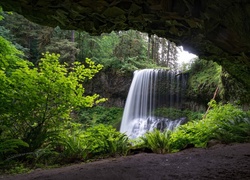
(204, 78)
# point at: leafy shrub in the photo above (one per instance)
(94, 142)
(157, 141)
(226, 123)
(196, 133)
(233, 124)
(72, 147)
(42, 97)
(46, 156)
(104, 140)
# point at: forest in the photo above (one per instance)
(62, 94)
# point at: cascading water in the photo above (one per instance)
(152, 89)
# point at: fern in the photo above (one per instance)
(226, 123)
(10, 146)
(157, 141)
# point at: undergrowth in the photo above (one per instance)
(173, 113)
(101, 115)
(225, 123)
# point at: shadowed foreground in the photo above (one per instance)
(218, 162)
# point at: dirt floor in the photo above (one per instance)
(218, 162)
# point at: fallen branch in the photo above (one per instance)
(215, 93)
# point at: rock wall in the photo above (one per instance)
(115, 86)
(112, 85)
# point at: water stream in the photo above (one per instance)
(151, 90)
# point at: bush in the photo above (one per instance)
(35, 101)
(95, 142)
(72, 147)
(104, 140)
(232, 124)
(226, 123)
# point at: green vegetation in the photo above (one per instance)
(205, 77)
(42, 98)
(123, 51)
(101, 115)
(48, 119)
(98, 141)
(174, 113)
(157, 141)
(37, 102)
(225, 123)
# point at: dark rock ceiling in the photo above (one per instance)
(213, 29)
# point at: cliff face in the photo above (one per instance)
(217, 30)
(112, 85)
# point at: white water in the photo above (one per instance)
(144, 97)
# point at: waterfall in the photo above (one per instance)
(150, 90)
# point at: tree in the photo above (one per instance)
(123, 51)
(26, 34)
(67, 49)
(162, 51)
(131, 45)
(35, 102)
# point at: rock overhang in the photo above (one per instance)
(217, 30)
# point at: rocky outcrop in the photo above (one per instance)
(110, 84)
(217, 30)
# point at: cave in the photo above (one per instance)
(215, 30)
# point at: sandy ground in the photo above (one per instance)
(218, 162)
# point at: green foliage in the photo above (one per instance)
(157, 141)
(232, 124)
(65, 48)
(174, 113)
(212, 103)
(197, 133)
(9, 147)
(204, 78)
(45, 156)
(15, 167)
(35, 101)
(71, 146)
(104, 140)
(225, 123)
(36, 106)
(5, 33)
(101, 115)
(24, 34)
(98, 141)
(1, 11)
(124, 51)
(9, 150)
(234, 90)
(9, 56)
